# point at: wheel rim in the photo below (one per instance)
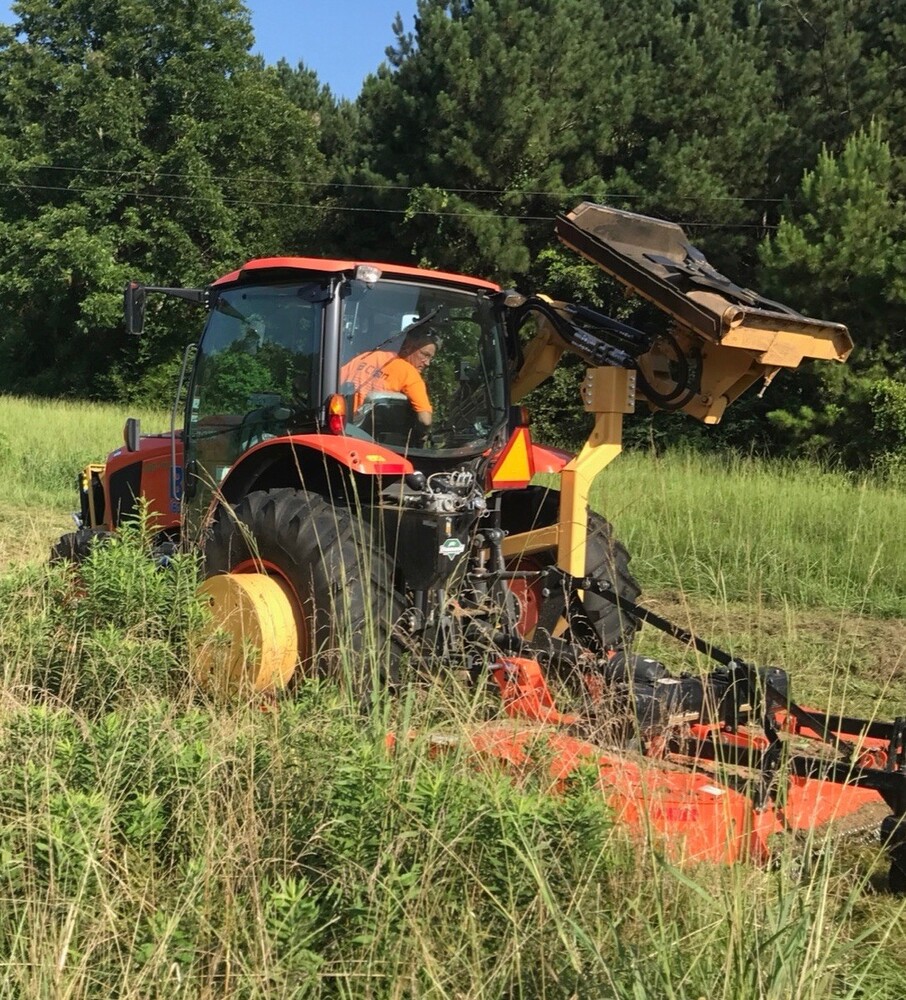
(305, 649)
(252, 639)
(528, 593)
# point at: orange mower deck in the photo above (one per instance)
(683, 804)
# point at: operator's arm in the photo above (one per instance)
(406, 378)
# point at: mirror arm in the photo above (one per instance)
(134, 301)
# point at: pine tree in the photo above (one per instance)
(839, 67)
(492, 117)
(840, 252)
(489, 119)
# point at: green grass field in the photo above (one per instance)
(157, 844)
(43, 445)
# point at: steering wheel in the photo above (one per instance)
(259, 424)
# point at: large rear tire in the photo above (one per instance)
(607, 561)
(341, 584)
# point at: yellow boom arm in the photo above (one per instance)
(721, 340)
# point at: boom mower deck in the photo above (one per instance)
(721, 763)
(329, 509)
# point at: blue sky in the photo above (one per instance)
(341, 40)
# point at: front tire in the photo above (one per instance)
(341, 584)
(75, 546)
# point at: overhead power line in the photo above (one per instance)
(383, 186)
(333, 207)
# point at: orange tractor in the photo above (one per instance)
(356, 466)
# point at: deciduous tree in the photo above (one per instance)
(137, 139)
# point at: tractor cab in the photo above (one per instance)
(391, 356)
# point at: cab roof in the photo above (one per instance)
(327, 266)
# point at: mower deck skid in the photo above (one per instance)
(678, 804)
(710, 787)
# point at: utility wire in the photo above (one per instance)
(562, 193)
(151, 196)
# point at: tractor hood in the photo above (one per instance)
(656, 259)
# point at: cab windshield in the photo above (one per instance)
(421, 367)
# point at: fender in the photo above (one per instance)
(281, 460)
(548, 458)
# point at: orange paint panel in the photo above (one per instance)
(686, 814)
(157, 483)
(548, 459)
(349, 451)
(812, 803)
(525, 692)
(331, 266)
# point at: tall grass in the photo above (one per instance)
(154, 843)
(44, 444)
(741, 529)
(747, 529)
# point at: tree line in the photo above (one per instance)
(144, 140)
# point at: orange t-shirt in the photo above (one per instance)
(386, 371)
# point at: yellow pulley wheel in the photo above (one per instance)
(251, 642)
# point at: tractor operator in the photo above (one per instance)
(395, 371)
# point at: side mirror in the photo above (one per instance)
(134, 307)
(131, 433)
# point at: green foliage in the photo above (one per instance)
(838, 69)
(153, 843)
(486, 110)
(113, 627)
(839, 253)
(888, 405)
(840, 244)
(513, 126)
(704, 122)
(234, 376)
(755, 532)
(127, 151)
